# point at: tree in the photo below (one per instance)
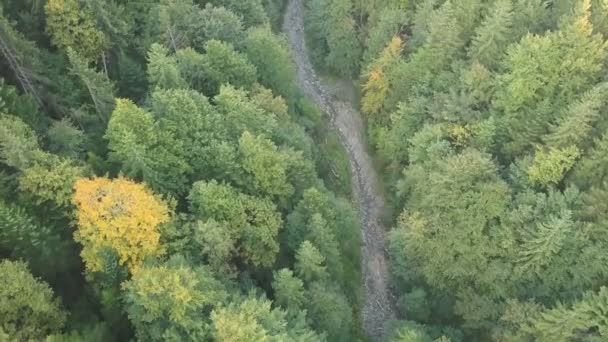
(267, 165)
(222, 65)
(591, 170)
(541, 78)
(578, 119)
(269, 54)
(120, 215)
(309, 262)
(158, 151)
(288, 290)
(163, 71)
(549, 166)
(72, 26)
(171, 301)
(217, 23)
(65, 139)
(253, 223)
(130, 135)
(28, 310)
(584, 319)
(51, 179)
(21, 237)
(377, 86)
(18, 142)
(330, 311)
(493, 35)
(344, 45)
(390, 24)
(98, 85)
(253, 319)
(251, 11)
(239, 114)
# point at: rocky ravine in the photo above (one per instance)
(378, 307)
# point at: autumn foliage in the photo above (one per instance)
(117, 214)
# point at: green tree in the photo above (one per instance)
(98, 85)
(493, 35)
(268, 52)
(550, 166)
(51, 179)
(541, 78)
(163, 70)
(222, 65)
(310, 262)
(72, 26)
(22, 237)
(252, 222)
(170, 301)
(577, 122)
(267, 165)
(18, 142)
(253, 319)
(344, 46)
(288, 290)
(251, 11)
(28, 310)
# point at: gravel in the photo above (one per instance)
(346, 121)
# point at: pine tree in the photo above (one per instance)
(579, 118)
(493, 35)
(98, 85)
(377, 86)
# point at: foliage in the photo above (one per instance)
(253, 222)
(72, 26)
(118, 214)
(164, 302)
(28, 310)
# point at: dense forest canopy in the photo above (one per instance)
(489, 120)
(163, 179)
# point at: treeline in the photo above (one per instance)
(162, 178)
(490, 119)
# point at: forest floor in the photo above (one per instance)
(346, 120)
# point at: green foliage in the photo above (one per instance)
(254, 320)
(195, 101)
(541, 75)
(98, 86)
(65, 139)
(310, 263)
(549, 167)
(253, 223)
(222, 65)
(18, 143)
(268, 52)
(21, 237)
(494, 34)
(28, 310)
(51, 179)
(288, 290)
(334, 35)
(163, 71)
(166, 302)
(251, 11)
(72, 26)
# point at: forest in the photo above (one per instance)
(489, 124)
(164, 177)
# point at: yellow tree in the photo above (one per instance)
(377, 86)
(120, 215)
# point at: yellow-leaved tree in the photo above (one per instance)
(376, 86)
(120, 215)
